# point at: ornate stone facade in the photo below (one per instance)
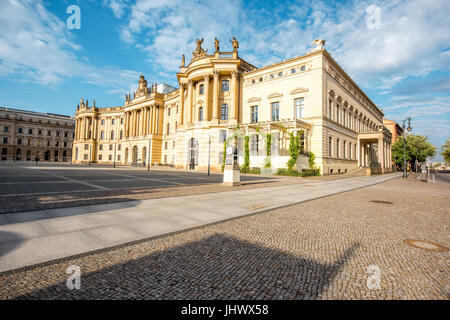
(220, 95)
(25, 135)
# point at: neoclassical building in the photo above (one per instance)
(27, 135)
(221, 94)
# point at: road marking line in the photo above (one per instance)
(76, 181)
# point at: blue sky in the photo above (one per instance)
(403, 65)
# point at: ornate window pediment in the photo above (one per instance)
(274, 95)
(299, 90)
(254, 99)
(331, 93)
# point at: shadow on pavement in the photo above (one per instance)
(216, 267)
(9, 241)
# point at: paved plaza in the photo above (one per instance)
(318, 249)
(46, 179)
(75, 230)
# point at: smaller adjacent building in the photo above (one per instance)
(27, 135)
(395, 129)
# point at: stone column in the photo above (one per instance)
(94, 131)
(189, 102)
(215, 115)
(154, 119)
(141, 123)
(358, 155)
(234, 107)
(145, 120)
(132, 125)
(381, 151)
(125, 125)
(181, 106)
(206, 93)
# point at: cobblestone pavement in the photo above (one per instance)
(320, 249)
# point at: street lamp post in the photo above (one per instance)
(405, 174)
(209, 155)
(149, 153)
(114, 160)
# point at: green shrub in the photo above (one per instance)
(295, 173)
(247, 153)
(224, 154)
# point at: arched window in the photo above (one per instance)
(224, 113)
(168, 128)
(200, 114)
(112, 135)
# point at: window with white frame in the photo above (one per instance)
(254, 114)
(275, 106)
(299, 108)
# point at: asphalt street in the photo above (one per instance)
(32, 180)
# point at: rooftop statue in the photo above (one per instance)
(235, 44)
(216, 44)
(183, 62)
(319, 43)
(199, 52)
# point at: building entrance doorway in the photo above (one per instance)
(192, 153)
(47, 155)
(135, 154)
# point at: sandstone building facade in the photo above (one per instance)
(221, 95)
(25, 135)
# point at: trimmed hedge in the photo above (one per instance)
(295, 173)
(250, 170)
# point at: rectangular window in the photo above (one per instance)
(110, 157)
(345, 118)
(201, 90)
(110, 147)
(5, 129)
(118, 147)
(19, 141)
(86, 147)
(30, 131)
(5, 140)
(330, 144)
(337, 114)
(65, 144)
(223, 135)
(349, 150)
(299, 108)
(99, 157)
(330, 109)
(20, 130)
(100, 147)
(165, 158)
(254, 143)
(343, 149)
(254, 114)
(224, 113)
(275, 111)
(337, 147)
(225, 85)
(86, 156)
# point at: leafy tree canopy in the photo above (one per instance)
(446, 150)
(417, 148)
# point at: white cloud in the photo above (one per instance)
(36, 46)
(117, 6)
(412, 41)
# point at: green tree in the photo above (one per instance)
(246, 165)
(446, 150)
(294, 149)
(417, 148)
